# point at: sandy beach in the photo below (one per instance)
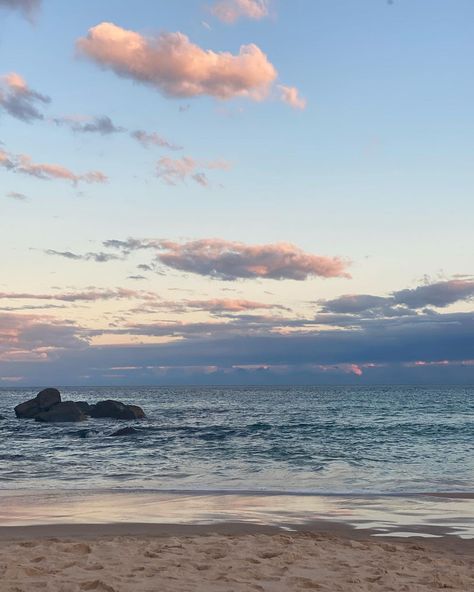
(226, 558)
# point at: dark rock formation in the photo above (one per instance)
(47, 407)
(116, 410)
(124, 432)
(85, 407)
(43, 401)
(66, 411)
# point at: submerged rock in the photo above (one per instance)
(66, 411)
(124, 432)
(82, 433)
(116, 410)
(43, 401)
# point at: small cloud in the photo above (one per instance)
(27, 7)
(17, 196)
(176, 170)
(19, 100)
(147, 139)
(99, 125)
(290, 96)
(23, 164)
(97, 257)
(230, 11)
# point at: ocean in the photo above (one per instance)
(310, 440)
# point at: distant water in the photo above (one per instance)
(312, 440)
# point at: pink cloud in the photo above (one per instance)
(19, 100)
(148, 139)
(230, 260)
(177, 67)
(290, 95)
(176, 170)
(230, 11)
(22, 163)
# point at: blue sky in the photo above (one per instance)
(367, 173)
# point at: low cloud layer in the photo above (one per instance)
(438, 294)
(176, 67)
(230, 11)
(88, 295)
(19, 100)
(23, 164)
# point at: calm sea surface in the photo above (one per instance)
(312, 440)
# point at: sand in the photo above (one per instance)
(227, 560)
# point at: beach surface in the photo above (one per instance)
(226, 557)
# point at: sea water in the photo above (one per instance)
(323, 440)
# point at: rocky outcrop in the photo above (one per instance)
(124, 432)
(85, 407)
(43, 401)
(116, 410)
(65, 411)
(47, 407)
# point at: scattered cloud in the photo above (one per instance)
(290, 95)
(17, 196)
(19, 100)
(27, 7)
(176, 67)
(147, 139)
(228, 260)
(176, 170)
(102, 125)
(97, 257)
(230, 11)
(23, 164)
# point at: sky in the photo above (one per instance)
(236, 192)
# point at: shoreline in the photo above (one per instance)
(423, 515)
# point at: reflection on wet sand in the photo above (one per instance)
(383, 515)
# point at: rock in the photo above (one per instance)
(82, 433)
(116, 410)
(139, 413)
(125, 432)
(85, 407)
(65, 411)
(43, 401)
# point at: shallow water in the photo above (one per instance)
(322, 439)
